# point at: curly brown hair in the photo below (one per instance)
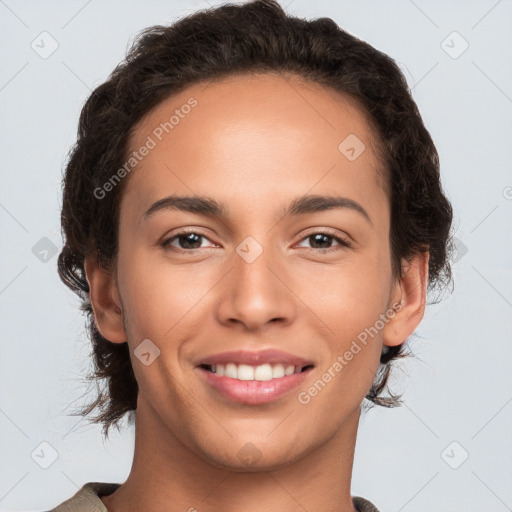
(232, 39)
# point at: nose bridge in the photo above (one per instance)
(254, 294)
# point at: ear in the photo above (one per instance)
(411, 292)
(105, 301)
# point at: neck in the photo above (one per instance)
(167, 475)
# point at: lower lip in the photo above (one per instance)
(254, 391)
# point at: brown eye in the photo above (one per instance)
(187, 241)
(324, 241)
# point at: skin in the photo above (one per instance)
(253, 143)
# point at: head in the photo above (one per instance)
(262, 115)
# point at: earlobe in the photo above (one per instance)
(411, 295)
(105, 301)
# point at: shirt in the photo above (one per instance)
(87, 499)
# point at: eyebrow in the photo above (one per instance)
(210, 207)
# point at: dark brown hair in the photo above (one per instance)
(233, 39)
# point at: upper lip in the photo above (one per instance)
(269, 356)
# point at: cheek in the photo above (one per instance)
(159, 296)
(347, 297)
(347, 302)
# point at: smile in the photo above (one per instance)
(263, 372)
(252, 385)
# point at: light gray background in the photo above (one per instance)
(459, 388)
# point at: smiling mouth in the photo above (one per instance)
(255, 384)
(263, 372)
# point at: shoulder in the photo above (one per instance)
(363, 505)
(87, 498)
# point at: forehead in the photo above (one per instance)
(269, 99)
(254, 136)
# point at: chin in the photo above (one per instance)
(253, 456)
(261, 464)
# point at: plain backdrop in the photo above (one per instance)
(449, 448)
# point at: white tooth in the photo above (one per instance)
(245, 372)
(277, 371)
(231, 371)
(263, 372)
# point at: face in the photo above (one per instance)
(198, 283)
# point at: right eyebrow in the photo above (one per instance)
(193, 204)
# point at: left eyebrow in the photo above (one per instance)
(316, 203)
(211, 208)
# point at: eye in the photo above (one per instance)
(322, 241)
(188, 241)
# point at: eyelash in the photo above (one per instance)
(344, 243)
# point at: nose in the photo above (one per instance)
(256, 293)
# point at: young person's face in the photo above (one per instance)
(254, 145)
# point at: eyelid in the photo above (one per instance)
(167, 239)
(344, 241)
